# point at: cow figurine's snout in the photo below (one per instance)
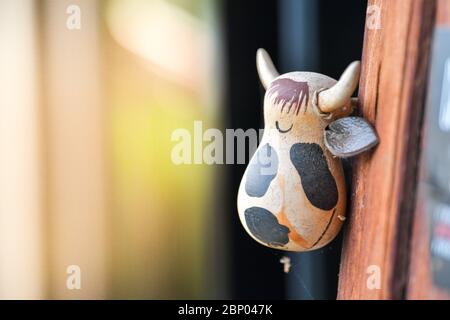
(292, 195)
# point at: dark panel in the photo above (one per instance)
(341, 34)
(324, 36)
(255, 271)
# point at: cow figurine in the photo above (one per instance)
(292, 195)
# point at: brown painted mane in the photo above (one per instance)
(286, 91)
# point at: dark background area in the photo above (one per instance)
(301, 35)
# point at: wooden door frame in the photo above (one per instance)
(392, 95)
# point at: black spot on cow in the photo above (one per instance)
(261, 171)
(265, 227)
(317, 181)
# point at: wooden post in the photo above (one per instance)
(21, 164)
(392, 91)
(76, 151)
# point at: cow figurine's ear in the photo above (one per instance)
(350, 136)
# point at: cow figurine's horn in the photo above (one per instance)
(340, 94)
(266, 70)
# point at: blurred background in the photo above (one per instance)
(90, 93)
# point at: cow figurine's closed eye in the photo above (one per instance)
(293, 196)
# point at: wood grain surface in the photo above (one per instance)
(392, 91)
